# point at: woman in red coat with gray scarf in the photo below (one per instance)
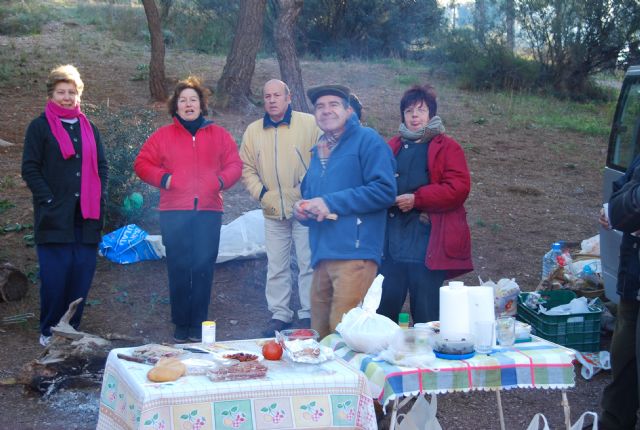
(427, 238)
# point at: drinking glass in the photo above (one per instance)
(483, 336)
(506, 331)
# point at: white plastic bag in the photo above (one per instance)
(364, 330)
(242, 238)
(422, 415)
(578, 425)
(505, 294)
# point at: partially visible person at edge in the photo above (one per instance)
(356, 105)
(275, 151)
(192, 160)
(64, 166)
(346, 192)
(620, 399)
(427, 238)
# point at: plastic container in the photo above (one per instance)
(403, 320)
(577, 331)
(550, 260)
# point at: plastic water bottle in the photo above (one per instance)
(589, 275)
(550, 260)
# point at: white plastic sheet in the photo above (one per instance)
(243, 237)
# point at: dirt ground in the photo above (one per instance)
(531, 186)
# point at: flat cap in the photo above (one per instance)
(328, 90)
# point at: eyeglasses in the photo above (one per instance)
(418, 110)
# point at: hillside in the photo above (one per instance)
(533, 182)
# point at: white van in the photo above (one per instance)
(624, 146)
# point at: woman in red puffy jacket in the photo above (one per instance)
(427, 238)
(191, 160)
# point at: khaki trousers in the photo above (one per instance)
(337, 287)
(279, 236)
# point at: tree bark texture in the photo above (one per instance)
(510, 12)
(13, 283)
(290, 72)
(480, 21)
(234, 86)
(156, 65)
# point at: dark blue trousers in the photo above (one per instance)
(66, 272)
(422, 284)
(191, 239)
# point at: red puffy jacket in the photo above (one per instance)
(196, 165)
(443, 199)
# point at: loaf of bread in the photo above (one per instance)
(167, 369)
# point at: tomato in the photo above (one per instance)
(272, 350)
(302, 333)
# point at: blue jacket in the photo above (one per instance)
(358, 185)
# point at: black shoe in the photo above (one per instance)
(195, 334)
(304, 323)
(181, 334)
(274, 325)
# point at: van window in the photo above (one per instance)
(624, 143)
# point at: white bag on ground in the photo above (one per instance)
(364, 330)
(422, 415)
(578, 425)
(243, 237)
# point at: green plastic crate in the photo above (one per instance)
(577, 331)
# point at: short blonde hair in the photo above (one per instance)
(66, 73)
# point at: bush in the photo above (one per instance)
(488, 67)
(123, 132)
(20, 18)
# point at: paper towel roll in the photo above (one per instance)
(454, 311)
(481, 304)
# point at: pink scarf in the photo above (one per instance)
(90, 185)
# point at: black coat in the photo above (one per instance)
(624, 213)
(55, 184)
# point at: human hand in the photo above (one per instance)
(603, 220)
(405, 202)
(316, 208)
(424, 218)
(298, 210)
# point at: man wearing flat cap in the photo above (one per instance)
(346, 192)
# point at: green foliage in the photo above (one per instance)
(123, 133)
(537, 111)
(123, 19)
(142, 73)
(366, 28)
(5, 205)
(24, 17)
(573, 39)
(486, 67)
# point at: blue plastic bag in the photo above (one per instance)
(127, 245)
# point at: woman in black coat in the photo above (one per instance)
(64, 166)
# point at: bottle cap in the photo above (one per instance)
(403, 318)
(557, 246)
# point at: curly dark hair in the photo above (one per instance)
(419, 94)
(195, 84)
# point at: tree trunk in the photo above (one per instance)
(290, 72)
(480, 20)
(234, 86)
(156, 65)
(13, 283)
(510, 12)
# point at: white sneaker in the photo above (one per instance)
(45, 340)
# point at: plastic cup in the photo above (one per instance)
(483, 336)
(506, 331)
